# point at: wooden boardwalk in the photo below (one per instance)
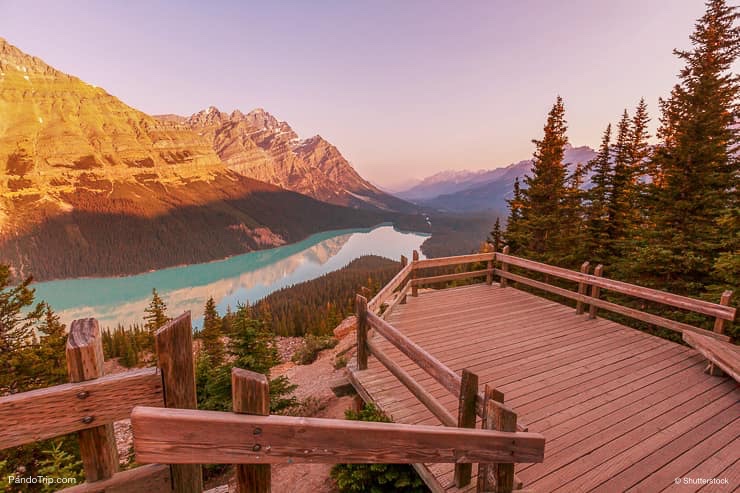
(621, 410)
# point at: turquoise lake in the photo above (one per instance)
(238, 279)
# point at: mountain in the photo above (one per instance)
(482, 190)
(258, 145)
(90, 186)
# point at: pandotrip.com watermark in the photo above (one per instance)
(701, 481)
(19, 480)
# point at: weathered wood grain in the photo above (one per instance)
(504, 419)
(595, 292)
(504, 265)
(84, 353)
(251, 395)
(174, 344)
(466, 419)
(180, 436)
(151, 478)
(54, 411)
(582, 288)
(719, 324)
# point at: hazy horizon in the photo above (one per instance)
(419, 87)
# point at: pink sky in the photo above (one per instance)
(404, 89)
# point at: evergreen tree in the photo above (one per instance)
(495, 238)
(156, 313)
(542, 200)
(211, 333)
(597, 199)
(514, 234)
(695, 169)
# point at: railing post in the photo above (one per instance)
(504, 420)
(595, 290)
(84, 353)
(485, 481)
(719, 324)
(466, 419)
(582, 288)
(250, 393)
(362, 326)
(504, 267)
(404, 263)
(174, 346)
(414, 274)
(489, 267)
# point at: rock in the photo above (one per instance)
(347, 325)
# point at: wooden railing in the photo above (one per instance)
(92, 402)
(590, 287)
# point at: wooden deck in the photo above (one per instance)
(621, 410)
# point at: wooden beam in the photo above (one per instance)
(250, 393)
(59, 410)
(422, 281)
(582, 288)
(152, 478)
(414, 273)
(724, 355)
(485, 471)
(678, 301)
(399, 299)
(174, 345)
(489, 269)
(362, 327)
(719, 324)
(466, 419)
(180, 436)
(415, 388)
(504, 419)
(386, 291)
(84, 353)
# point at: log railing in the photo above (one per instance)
(92, 402)
(590, 287)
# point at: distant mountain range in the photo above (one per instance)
(485, 190)
(91, 186)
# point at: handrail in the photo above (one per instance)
(675, 300)
(459, 259)
(377, 301)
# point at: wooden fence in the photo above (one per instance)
(92, 401)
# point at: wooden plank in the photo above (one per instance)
(582, 288)
(400, 298)
(456, 260)
(251, 395)
(613, 307)
(595, 291)
(181, 436)
(504, 265)
(423, 281)
(466, 419)
(84, 353)
(361, 311)
(174, 345)
(417, 390)
(504, 419)
(724, 355)
(678, 301)
(55, 411)
(152, 478)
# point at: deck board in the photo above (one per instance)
(620, 409)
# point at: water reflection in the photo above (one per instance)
(243, 278)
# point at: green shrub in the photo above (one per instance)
(312, 346)
(375, 478)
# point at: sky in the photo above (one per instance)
(404, 89)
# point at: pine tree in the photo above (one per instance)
(542, 200)
(156, 313)
(572, 233)
(695, 169)
(211, 333)
(514, 235)
(495, 238)
(597, 199)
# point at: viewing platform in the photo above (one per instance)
(620, 409)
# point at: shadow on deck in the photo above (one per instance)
(620, 409)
